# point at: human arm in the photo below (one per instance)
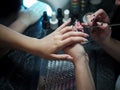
(46, 47)
(102, 34)
(112, 47)
(84, 80)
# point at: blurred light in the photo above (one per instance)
(29, 3)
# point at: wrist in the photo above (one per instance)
(32, 45)
(25, 43)
(82, 59)
(106, 42)
(81, 63)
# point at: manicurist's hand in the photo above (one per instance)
(102, 33)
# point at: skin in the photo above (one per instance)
(102, 34)
(80, 60)
(52, 43)
(84, 80)
(46, 47)
(25, 18)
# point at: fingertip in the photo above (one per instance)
(86, 35)
(65, 23)
(69, 20)
(69, 57)
(85, 40)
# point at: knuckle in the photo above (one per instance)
(71, 33)
(57, 41)
(71, 39)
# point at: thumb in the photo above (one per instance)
(62, 57)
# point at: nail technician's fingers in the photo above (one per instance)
(72, 40)
(64, 24)
(66, 29)
(74, 34)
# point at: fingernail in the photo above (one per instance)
(86, 35)
(69, 58)
(69, 19)
(85, 40)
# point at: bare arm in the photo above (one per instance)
(26, 18)
(112, 47)
(84, 80)
(46, 47)
(13, 39)
(103, 33)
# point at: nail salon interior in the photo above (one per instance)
(23, 71)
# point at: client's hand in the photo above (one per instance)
(62, 37)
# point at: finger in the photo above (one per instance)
(72, 40)
(84, 24)
(100, 27)
(66, 29)
(100, 12)
(64, 24)
(101, 16)
(89, 20)
(62, 57)
(103, 26)
(74, 34)
(98, 16)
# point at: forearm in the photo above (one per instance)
(19, 26)
(112, 47)
(14, 40)
(84, 78)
